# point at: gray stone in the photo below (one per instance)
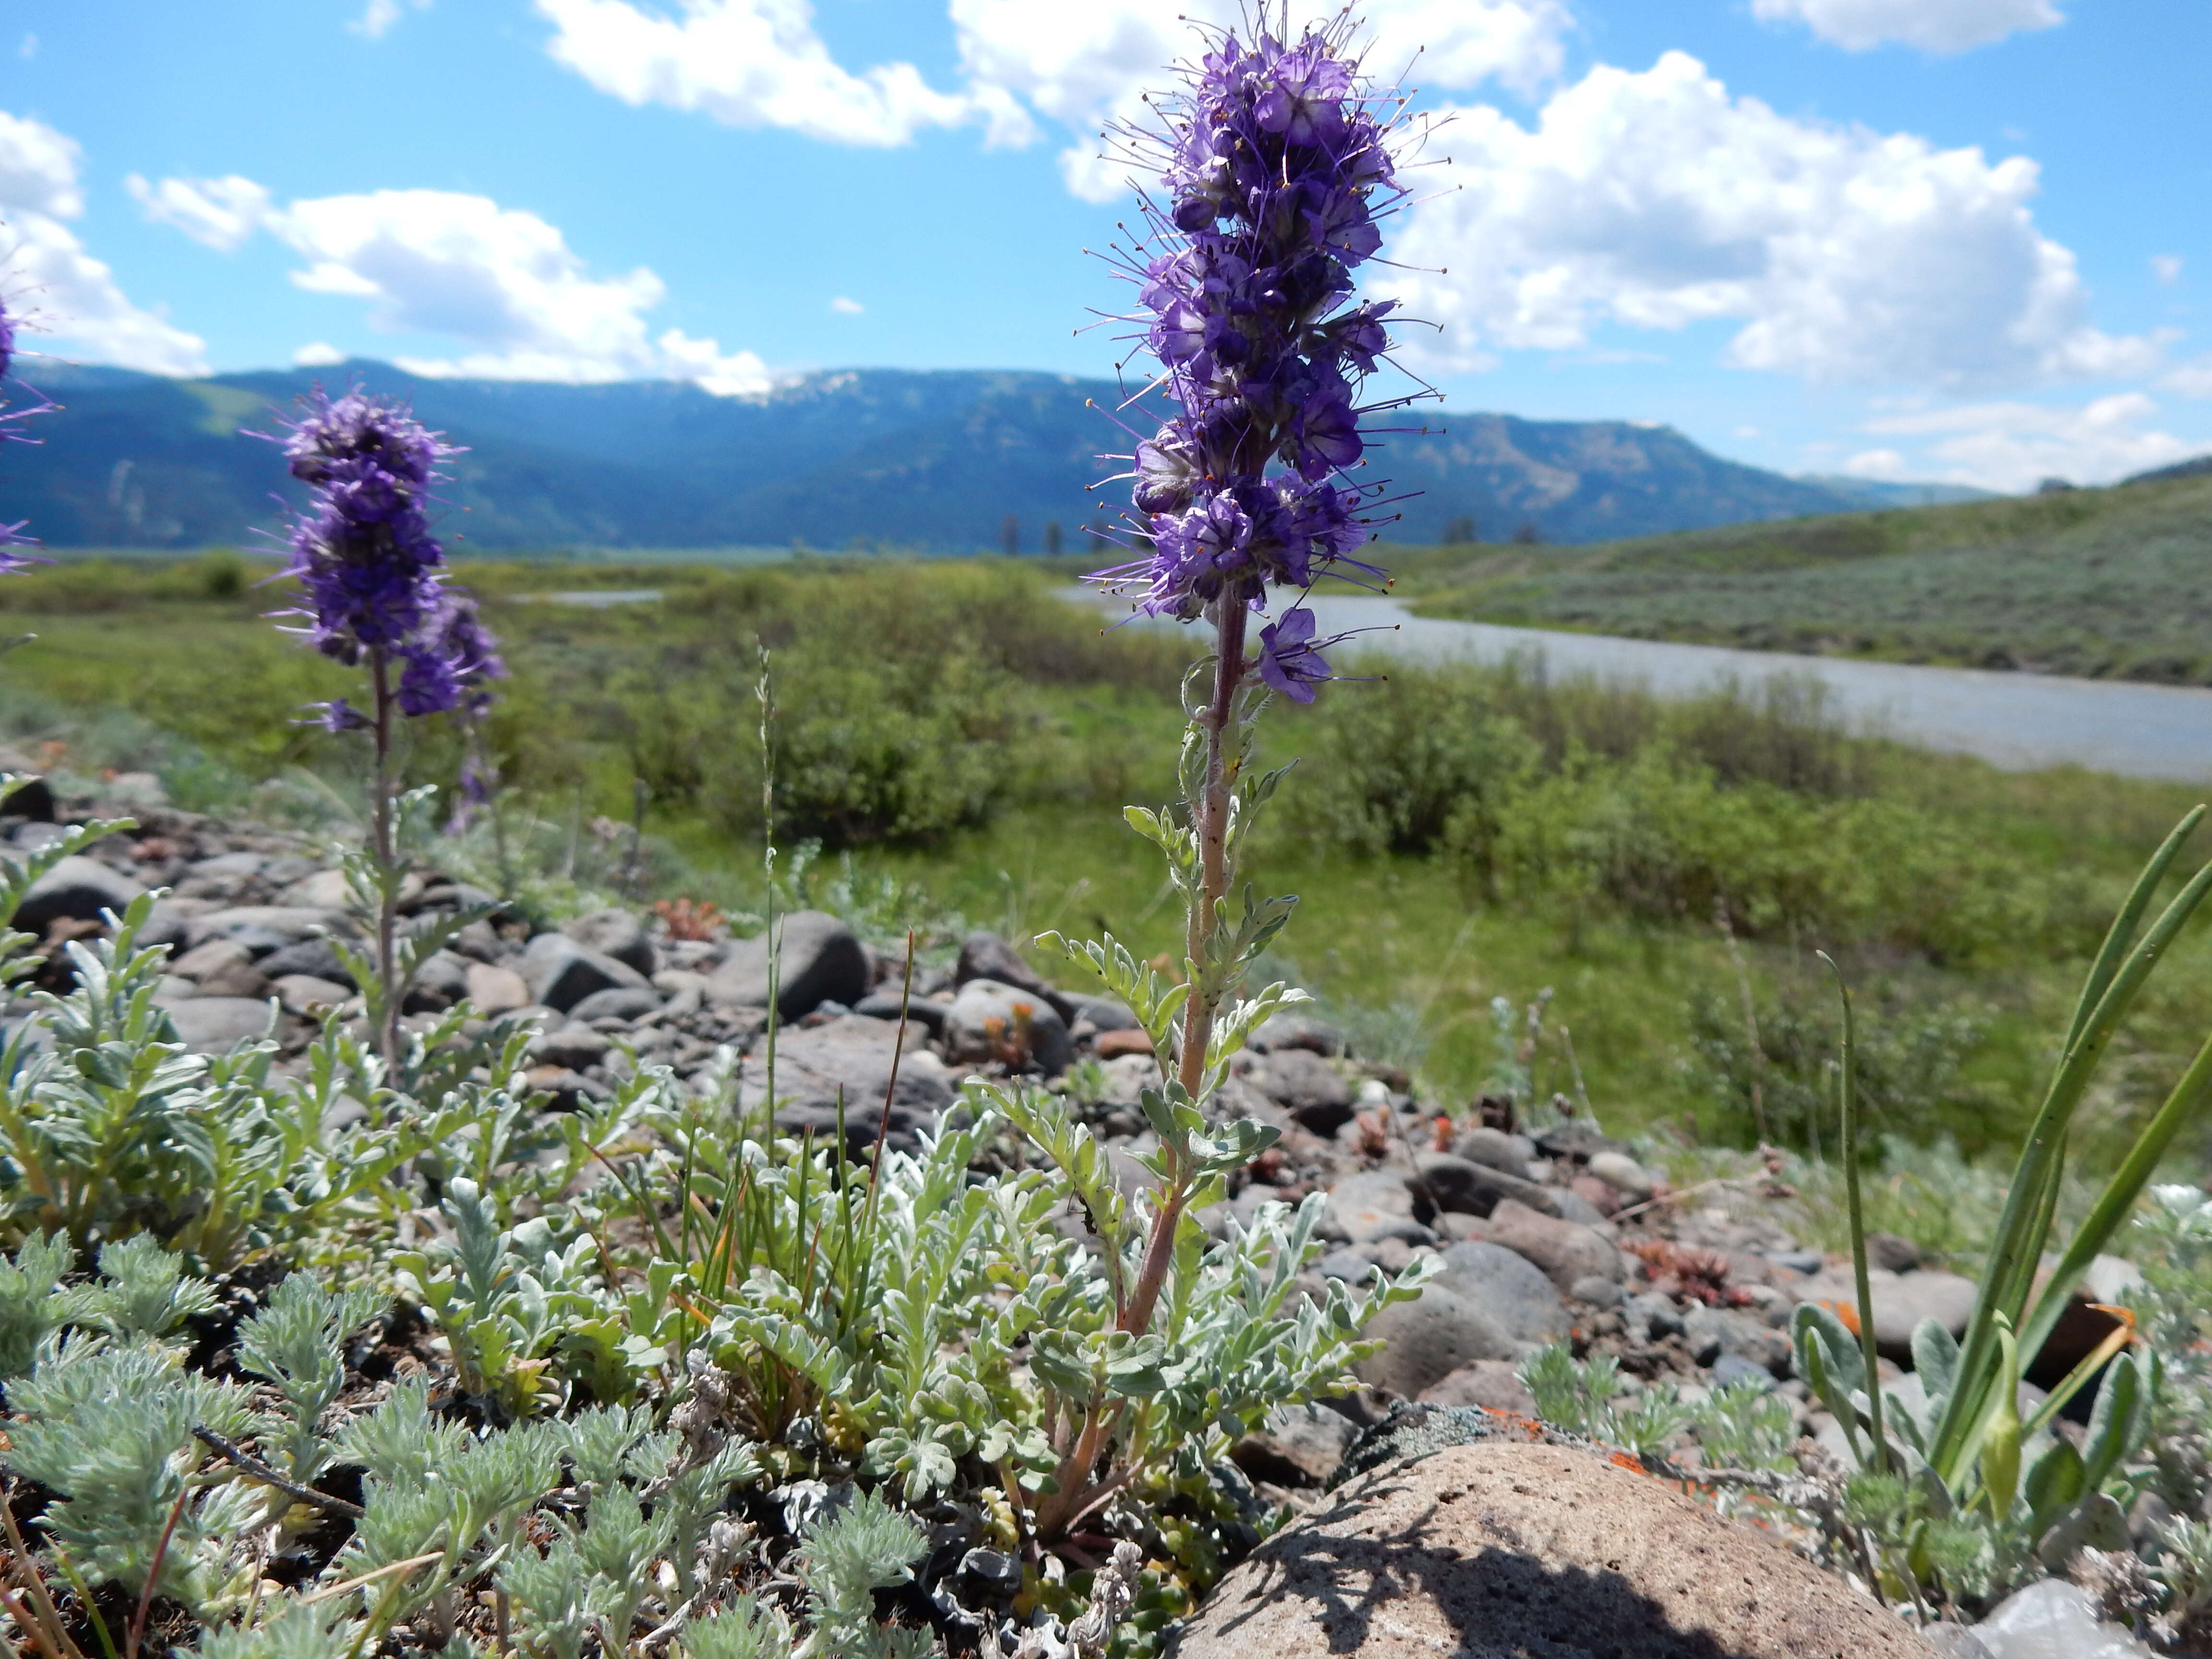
(1891, 1251)
(1291, 1029)
(822, 961)
(1598, 1290)
(1901, 1301)
(305, 995)
(1300, 1446)
(1563, 1249)
(1493, 1149)
(849, 1058)
(496, 990)
(1734, 1368)
(1307, 1087)
(1104, 1014)
(989, 1019)
(890, 1005)
(1493, 1384)
(1487, 1303)
(264, 928)
(439, 984)
(1350, 1262)
(33, 798)
(228, 864)
(1573, 1206)
(1712, 1332)
(215, 1025)
(1955, 1642)
(624, 1002)
(235, 976)
(572, 1048)
(562, 973)
(1623, 1174)
(1361, 1206)
(1654, 1317)
(77, 889)
(616, 934)
(317, 957)
(1457, 1183)
(984, 955)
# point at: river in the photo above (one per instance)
(2018, 721)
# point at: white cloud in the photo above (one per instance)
(502, 281)
(1080, 65)
(62, 289)
(221, 212)
(1931, 25)
(2191, 380)
(746, 63)
(2014, 446)
(29, 48)
(380, 15)
(319, 354)
(1886, 463)
(845, 307)
(2166, 267)
(1653, 200)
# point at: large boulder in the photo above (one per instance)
(1487, 1303)
(1496, 1550)
(991, 1020)
(562, 973)
(616, 933)
(77, 889)
(822, 961)
(1566, 1250)
(845, 1064)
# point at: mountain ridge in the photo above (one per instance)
(936, 460)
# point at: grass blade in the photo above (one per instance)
(1862, 1284)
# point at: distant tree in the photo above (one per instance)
(1458, 530)
(1010, 536)
(1528, 535)
(1052, 539)
(2054, 486)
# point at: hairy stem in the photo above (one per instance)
(387, 886)
(1212, 812)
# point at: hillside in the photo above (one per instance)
(937, 461)
(2097, 582)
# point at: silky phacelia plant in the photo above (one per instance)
(371, 575)
(11, 417)
(1275, 160)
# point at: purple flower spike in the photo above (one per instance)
(371, 571)
(1276, 162)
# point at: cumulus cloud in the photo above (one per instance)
(1930, 25)
(746, 63)
(845, 307)
(1082, 65)
(1654, 200)
(53, 280)
(1026, 66)
(2166, 267)
(380, 15)
(221, 212)
(502, 281)
(2191, 380)
(2013, 446)
(317, 354)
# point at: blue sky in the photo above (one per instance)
(1942, 239)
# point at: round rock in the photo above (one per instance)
(1498, 1551)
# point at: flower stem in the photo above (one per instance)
(387, 884)
(1212, 811)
